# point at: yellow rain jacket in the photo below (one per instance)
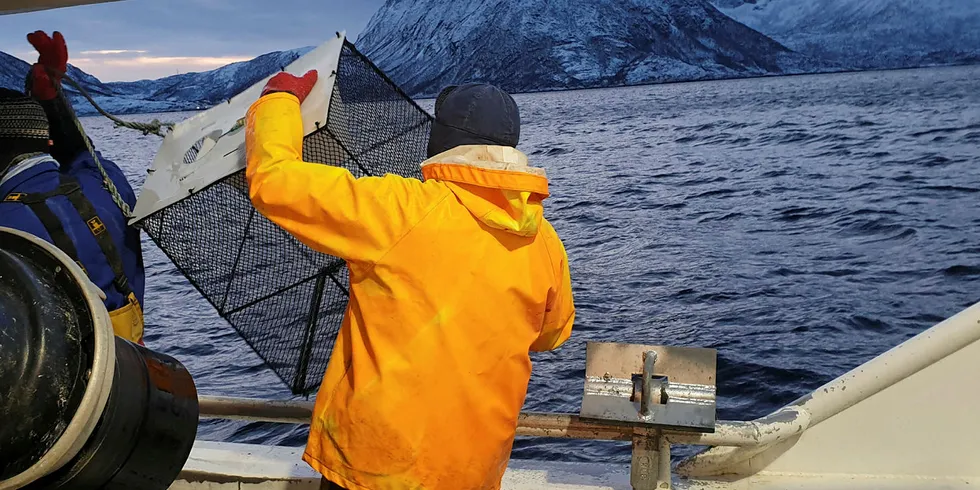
(452, 282)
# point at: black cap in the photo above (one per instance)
(474, 114)
(22, 117)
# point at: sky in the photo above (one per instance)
(146, 39)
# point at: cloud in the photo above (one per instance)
(97, 61)
(117, 67)
(106, 52)
(162, 37)
(207, 62)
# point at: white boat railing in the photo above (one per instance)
(898, 364)
(651, 447)
(859, 402)
(779, 426)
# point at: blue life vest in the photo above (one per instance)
(70, 208)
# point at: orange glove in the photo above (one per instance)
(53, 56)
(298, 86)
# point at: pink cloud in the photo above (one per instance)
(112, 51)
(108, 66)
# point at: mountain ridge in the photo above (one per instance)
(868, 34)
(541, 45)
(536, 45)
(187, 91)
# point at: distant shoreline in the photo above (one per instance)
(93, 113)
(751, 77)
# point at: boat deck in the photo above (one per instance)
(229, 466)
(903, 420)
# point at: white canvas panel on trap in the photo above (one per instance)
(285, 299)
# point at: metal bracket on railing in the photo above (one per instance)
(665, 388)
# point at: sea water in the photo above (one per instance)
(798, 225)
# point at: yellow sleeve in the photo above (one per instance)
(559, 313)
(323, 206)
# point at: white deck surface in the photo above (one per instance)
(226, 466)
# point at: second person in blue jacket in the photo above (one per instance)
(51, 187)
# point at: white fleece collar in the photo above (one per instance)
(488, 157)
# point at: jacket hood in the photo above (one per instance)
(495, 184)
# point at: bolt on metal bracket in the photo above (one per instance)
(664, 387)
(667, 388)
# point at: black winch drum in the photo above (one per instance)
(79, 407)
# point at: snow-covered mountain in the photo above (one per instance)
(527, 45)
(12, 72)
(189, 91)
(540, 44)
(211, 87)
(868, 33)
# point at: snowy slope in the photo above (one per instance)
(12, 72)
(189, 91)
(540, 44)
(732, 3)
(211, 87)
(868, 33)
(93, 85)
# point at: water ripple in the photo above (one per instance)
(799, 225)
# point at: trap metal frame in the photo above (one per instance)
(285, 299)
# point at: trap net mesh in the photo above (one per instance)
(285, 299)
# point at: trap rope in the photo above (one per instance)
(153, 127)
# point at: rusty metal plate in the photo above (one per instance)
(684, 394)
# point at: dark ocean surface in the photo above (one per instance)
(799, 225)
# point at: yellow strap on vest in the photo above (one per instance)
(127, 322)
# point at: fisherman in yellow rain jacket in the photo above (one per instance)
(453, 280)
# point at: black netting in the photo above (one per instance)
(285, 299)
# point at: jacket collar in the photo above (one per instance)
(19, 173)
(495, 184)
(497, 167)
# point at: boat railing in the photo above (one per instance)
(650, 462)
(733, 442)
(773, 428)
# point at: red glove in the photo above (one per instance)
(53, 55)
(298, 86)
